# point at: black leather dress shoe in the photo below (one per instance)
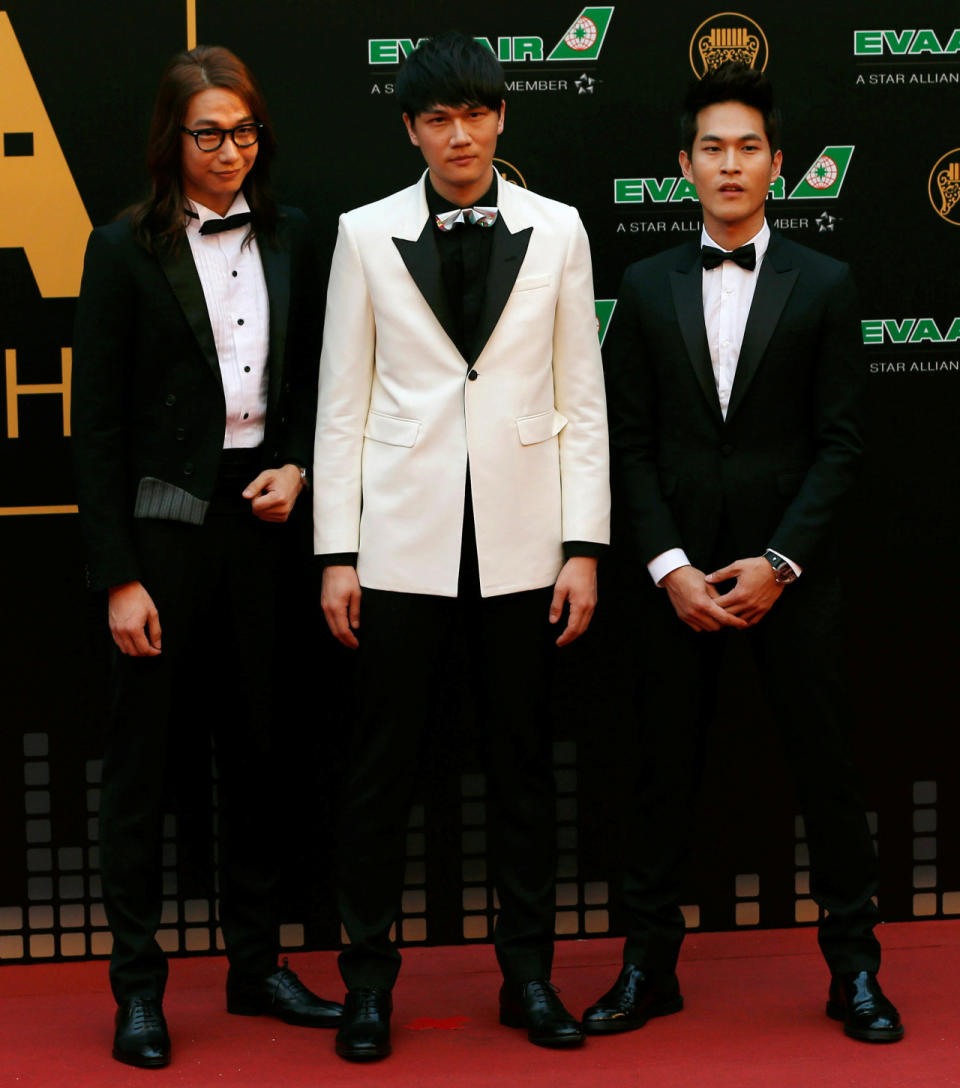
(633, 999)
(283, 995)
(858, 1001)
(536, 1007)
(141, 1037)
(364, 1034)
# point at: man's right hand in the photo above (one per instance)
(693, 599)
(340, 601)
(134, 622)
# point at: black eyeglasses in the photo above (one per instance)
(211, 139)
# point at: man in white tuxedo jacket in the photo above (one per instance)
(461, 477)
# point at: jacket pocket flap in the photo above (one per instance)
(528, 283)
(394, 430)
(540, 427)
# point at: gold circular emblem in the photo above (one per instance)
(509, 172)
(943, 187)
(726, 36)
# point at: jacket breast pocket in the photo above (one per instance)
(393, 430)
(531, 283)
(540, 427)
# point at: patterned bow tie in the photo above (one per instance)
(483, 217)
(745, 256)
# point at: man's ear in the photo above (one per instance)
(686, 166)
(775, 166)
(503, 110)
(411, 131)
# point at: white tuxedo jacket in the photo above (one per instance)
(398, 417)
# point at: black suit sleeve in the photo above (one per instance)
(103, 344)
(837, 426)
(632, 406)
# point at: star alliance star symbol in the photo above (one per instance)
(585, 84)
(825, 222)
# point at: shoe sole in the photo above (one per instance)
(614, 1027)
(864, 1035)
(238, 1008)
(366, 1055)
(557, 1042)
(140, 1063)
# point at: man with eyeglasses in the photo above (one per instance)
(194, 368)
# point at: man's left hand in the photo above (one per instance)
(274, 492)
(756, 591)
(577, 586)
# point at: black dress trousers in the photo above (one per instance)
(798, 652)
(402, 636)
(213, 586)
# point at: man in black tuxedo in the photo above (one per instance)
(194, 378)
(734, 382)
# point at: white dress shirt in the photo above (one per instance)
(239, 308)
(727, 296)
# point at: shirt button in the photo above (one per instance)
(233, 274)
(188, 468)
(246, 415)
(726, 449)
(239, 320)
(170, 400)
(246, 370)
(473, 375)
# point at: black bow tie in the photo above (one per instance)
(217, 226)
(745, 256)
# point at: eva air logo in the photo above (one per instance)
(901, 43)
(585, 37)
(582, 41)
(604, 308)
(825, 178)
(909, 330)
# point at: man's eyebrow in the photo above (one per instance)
(738, 139)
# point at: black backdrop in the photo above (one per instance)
(597, 130)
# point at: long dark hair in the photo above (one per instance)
(158, 220)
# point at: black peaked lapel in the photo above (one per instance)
(775, 281)
(276, 273)
(506, 258)
(686, 283)
(423, 264)
(182, 275)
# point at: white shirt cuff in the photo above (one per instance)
(665, 562)
(797, 569)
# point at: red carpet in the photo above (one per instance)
(754, 1018)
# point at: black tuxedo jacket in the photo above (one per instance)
(148, 405)
(772, 474)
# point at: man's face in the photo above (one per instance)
(731, 166)
(213, 178)
(458, 144)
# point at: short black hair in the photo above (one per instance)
(451, 69)
(731, 82)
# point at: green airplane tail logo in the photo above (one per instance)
(825, 177)
(604, 313)
(584, 39)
